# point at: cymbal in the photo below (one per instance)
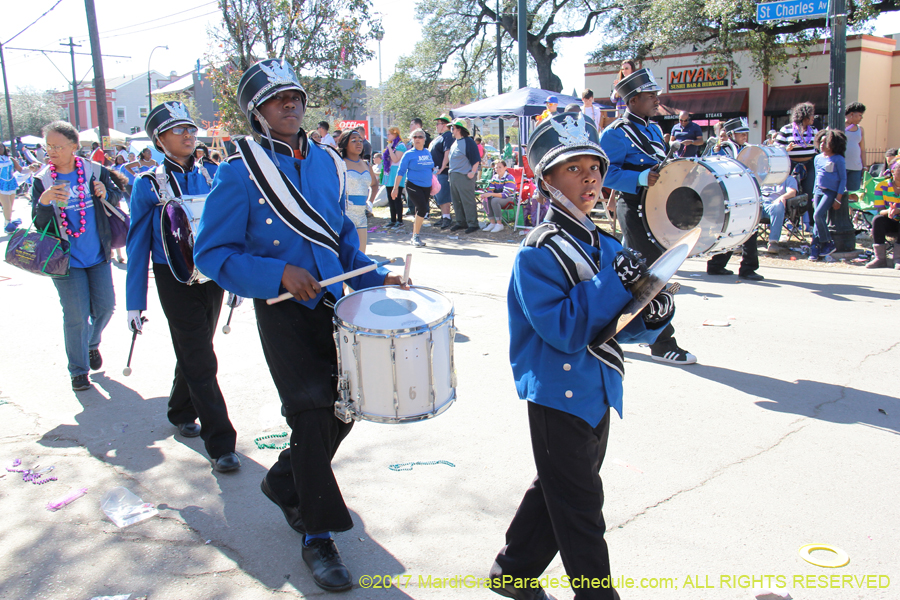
(647, 287)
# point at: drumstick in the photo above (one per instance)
(406, 270)
(227, 327)
(325, 283)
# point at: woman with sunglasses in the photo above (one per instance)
(416, 167)
(362, 184)
(191, 310)
(68, 191)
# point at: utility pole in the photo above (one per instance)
(844, 233)
(523, 44)
(99, 80)
(72, 47)
(12, 134)
(499, 78)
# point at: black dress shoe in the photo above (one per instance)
(81, 383)
(456, 227)
(95, 359)
(191, 429)
(473, 229)
(522, 593)
(719, 272)
(291, 513)
(751, 276)
(328, 570)
(228, 462)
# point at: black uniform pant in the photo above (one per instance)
(562, 510)
(298, 344)
(635, 237)
(749, 258)
(193, 313)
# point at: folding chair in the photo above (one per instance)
(862, 204)
(793, 219)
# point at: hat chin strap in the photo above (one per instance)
(570, 206)
(267, 134)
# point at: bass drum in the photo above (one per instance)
(771, 165)
(180, 219)
(716, 193)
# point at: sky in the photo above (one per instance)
(182, 25)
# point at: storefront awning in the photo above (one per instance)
(704, 105)
(782, 99)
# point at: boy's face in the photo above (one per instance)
(740, 138)
(552, 107)
(579, 179)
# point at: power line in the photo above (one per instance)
(106, 37)
(158, 18)
(33, 22)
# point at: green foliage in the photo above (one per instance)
(324, 41)
(184, 98)
(718, 29)
(31, 110)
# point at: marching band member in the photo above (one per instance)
(737, 131)
(274, 223)
(191, 310)
(569, 281)
(635, 145)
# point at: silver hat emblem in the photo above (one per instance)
(571, 131)
(278, 73)
(177, 110)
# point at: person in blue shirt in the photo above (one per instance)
(192, 311)
(570, 280)
(69, 192)
(416, 167)
(689, 134)
(273, 223)
(635, 147)
(830, 187)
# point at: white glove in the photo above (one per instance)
(234, 300)
(134, 321)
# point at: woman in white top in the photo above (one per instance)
(856, 145)
(362, 184)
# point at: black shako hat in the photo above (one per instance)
(736, 125)
(164, 117)
(562, 136)
(262, 81)
(641, 80)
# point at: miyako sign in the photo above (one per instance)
(696, 78)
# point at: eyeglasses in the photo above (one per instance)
(57, 148)
(183, 130)
(418, 137)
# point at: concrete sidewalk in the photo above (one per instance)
(785, 434)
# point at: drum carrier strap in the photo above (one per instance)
(578, 266)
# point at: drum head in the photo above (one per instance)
(770, 164)
(389, 309)
(178, 241)
(687, 195)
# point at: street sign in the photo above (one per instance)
(791, 9)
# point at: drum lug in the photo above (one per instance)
(453, 331)
(394, 372)
(345, 409)
(360, 396)
(431, 370)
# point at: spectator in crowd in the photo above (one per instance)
(887, 223)
(883, 169)
(689, 134)
(144, 163)
(590, 109)
(480, 145)
(416, 167)
(439, 148)
(362, 184)
(416, 123)
(8, 186)
(315, 136)
(215, 157)
(40, 153)
(500, 191)
(20, 148)
(770, 138)
(201, 156)
(507, 154)
(774, 204)
(574, 107)
(377, 166)
(120, 167)
(322, 129)
(552, 102)
(391, 161)
(856, 145)
(86, 293)
(797, 138)
(367, 146)
(830, 187)
(627, 68)
(464, 163)
(97, 154)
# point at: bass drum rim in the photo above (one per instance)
(172, 248)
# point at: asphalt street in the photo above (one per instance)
(784, 434)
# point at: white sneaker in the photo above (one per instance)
(497, 228)
(487, 226)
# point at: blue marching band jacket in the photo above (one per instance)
(563, 292)
(633, 145)
(145, 241)
(268, 209)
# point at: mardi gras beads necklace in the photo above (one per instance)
(79, 166)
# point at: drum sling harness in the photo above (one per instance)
(578, 266)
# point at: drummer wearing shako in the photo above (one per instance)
(569, 281)
(635, 147)
(191, 310)
(737, 131)
(273, 223)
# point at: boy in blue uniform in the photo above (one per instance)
(569, 281)
(192, 311)
(273, 223)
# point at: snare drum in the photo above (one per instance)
(716, 193)
(770, 164)
(395, 354)
(179, 223)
